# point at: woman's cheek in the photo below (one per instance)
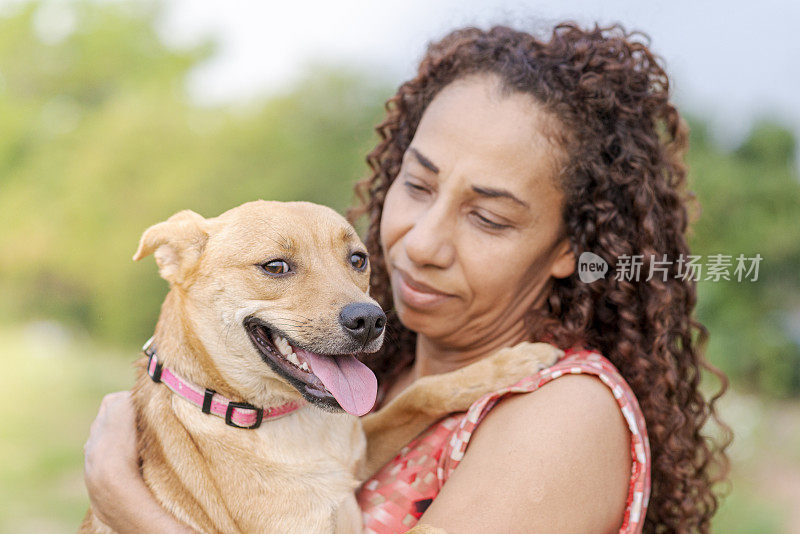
(493, 271)
(387, 233)
(392, 218)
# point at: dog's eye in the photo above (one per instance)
(358, 260)
(276, 267)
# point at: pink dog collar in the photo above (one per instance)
(236, 414)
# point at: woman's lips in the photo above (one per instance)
(416, 294)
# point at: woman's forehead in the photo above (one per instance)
(479, 108)
(495, 139)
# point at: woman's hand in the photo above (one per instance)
(110, 456)
(117, 492)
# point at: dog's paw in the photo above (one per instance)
(440, 394)
(524, 359)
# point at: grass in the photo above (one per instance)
(50, 388)
(765, 470)
(52, 383)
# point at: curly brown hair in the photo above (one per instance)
(623, 177)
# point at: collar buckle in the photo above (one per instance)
(154, 367)
(244, 406)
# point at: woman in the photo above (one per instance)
(503, 160)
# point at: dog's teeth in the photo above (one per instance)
(287, 352)
(282, 344)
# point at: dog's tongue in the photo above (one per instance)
(351, 382)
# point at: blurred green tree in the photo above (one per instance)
(750, 201)
(100, 140)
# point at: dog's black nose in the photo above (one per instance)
(363, 321)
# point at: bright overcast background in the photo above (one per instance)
(729, 61)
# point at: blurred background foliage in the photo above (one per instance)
(99, 140)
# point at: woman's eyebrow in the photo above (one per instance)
(425, 162)
(489, 192)
(498, 193)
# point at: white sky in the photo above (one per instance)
(729, 60)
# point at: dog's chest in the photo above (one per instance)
(296, 471)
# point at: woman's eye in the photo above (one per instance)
(491, 224)
(415, 188)
(276, 267)
(358, 260)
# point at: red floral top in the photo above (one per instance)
(393, 500)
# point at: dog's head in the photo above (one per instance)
(278, 295)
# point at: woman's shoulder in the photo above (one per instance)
(586, 417)
(578, 371)
(536, 437)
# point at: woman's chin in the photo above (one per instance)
(419, 321)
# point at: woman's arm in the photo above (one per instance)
(117, 492)
(554, 461)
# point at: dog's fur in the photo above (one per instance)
(298, 473)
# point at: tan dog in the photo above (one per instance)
(246, 288)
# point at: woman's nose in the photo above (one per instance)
(430, 240)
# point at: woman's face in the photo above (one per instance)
(471, 227)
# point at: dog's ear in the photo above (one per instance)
(177, 244)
